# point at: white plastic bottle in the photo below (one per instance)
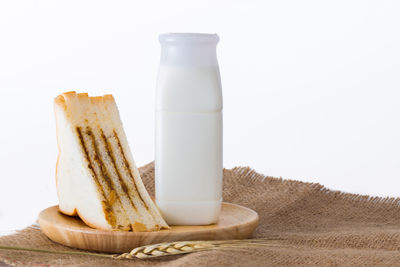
(188, 145)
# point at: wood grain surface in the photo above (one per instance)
(235, 222)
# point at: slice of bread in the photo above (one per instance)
(96, 175)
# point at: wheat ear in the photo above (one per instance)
(183, 247)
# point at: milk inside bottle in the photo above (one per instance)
(188, 145)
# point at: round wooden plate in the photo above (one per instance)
(235, 222)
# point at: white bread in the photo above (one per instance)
(96, 175)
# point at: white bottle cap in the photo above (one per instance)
(189, 49)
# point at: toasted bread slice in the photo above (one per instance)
(97, 178)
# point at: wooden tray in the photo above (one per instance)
(235, 222)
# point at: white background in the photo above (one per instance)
(311, 88)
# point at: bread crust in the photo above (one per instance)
(73, 213)
(82, 217)
(59, 102)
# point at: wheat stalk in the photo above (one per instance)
(183, 247)
(165, 249)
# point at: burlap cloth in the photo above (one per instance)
(314, 226)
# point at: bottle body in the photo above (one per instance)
(188, 145)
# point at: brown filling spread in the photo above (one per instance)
(110, 154)
(105, 204)
(128, 169)
(104, 174)
(139, 227)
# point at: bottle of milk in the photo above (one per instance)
(188, 145)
